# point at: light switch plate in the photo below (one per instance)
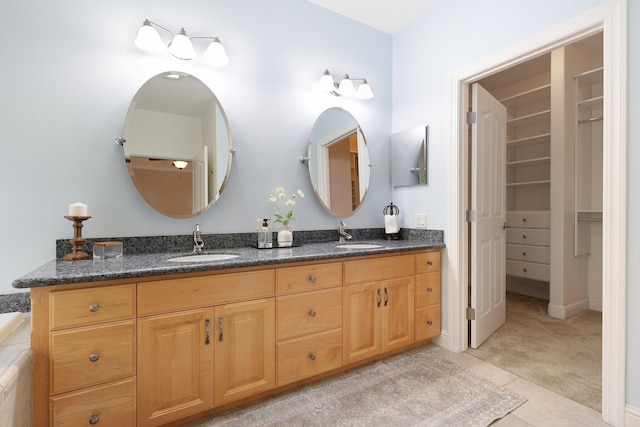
(421, 220)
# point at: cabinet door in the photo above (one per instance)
(362, 321)
(175, 366)
(397, 313)
(244, 349)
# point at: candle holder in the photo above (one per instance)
(77, 242)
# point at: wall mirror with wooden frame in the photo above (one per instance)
(339, 163)
(177, 144)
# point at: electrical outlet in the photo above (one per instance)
(421, 220)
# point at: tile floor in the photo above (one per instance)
(543, 408)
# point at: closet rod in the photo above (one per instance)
(594, 119)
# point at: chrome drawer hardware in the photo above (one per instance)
(430, 262)
(220, 320)
(429, 289)
(524, 269)
(94, 357)
(312, 356)
(524, 236)
(94, 307)
(312, 278)
(429, 322)
(312, 313)
(95, 419)
(524, 253)
(207, 325)
(524, 219)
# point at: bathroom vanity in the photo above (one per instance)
(142, 341)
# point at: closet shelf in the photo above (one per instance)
(591, 76)
(589, 215)
(591, 120)
(526, 97)
(528, 183)
(530, 162)
(536, 139)
(594, 103)
(542, 116)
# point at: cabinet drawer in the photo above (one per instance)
(529, 253)
(529, 270)
(308, 278)
(307, 356)
(427, 289)
(529, 219)
(528, 236)
(92, 355)
(371, 270)
(109, 405)
(428, 262)
(307, 313)
(80, 307)
(427, 323)
(195, 292)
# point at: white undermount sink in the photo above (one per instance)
(359, 246)
(203, 258)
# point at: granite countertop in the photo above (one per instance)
(59, 272)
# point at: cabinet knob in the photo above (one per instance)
(95, 419)
(94, 307)
(94, 357)
(524, 269)
(429, 289)
(430, 262)
(429, 322)
(312, 356)
(524, 236)
(524, 253)
(312, 278)
(524, 219)
(312, 313)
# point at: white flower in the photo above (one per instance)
(300, 193)
(290, 202)
(284, 215)
(272, 198)
(280, 189)
(282, 196)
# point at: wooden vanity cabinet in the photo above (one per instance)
(378, 316)
(428, 295)
(163, 350)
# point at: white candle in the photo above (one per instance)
(77, 209)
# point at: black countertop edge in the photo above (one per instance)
(59, 272)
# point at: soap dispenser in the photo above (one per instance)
(264, 235)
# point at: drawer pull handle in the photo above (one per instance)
(524, 269)
(95, 419)
(94, 357)
(221, 321)
(386, 296)
(379, 297)
(430, 262)
(312, 313)
(524, 253)
(429, 289)
(524, 236)
(312, 356)
(207, 326)
(429, 322)
(94, 307)
(312, 278)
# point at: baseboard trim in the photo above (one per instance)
(631, 416)
(595, 305)
(566, 311)
(442, 340)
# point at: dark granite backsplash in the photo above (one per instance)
(184, 243)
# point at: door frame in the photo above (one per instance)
(609, 18)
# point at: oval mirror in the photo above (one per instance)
(338, 162)
(178, 145)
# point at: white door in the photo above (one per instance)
(200, 177)
(488, 200)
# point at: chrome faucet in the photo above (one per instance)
(198, 243)
(343, 234)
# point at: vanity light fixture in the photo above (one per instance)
(328, 83)
(181, 46)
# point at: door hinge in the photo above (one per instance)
(471, 117)
(471, 313)
(470, 215)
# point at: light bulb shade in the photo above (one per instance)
(180, 164)
(148, 39)
(181, 46)
(364, 91)
(216, 54)
(326, 82)
(346, 87)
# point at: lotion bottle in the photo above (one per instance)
(264, 235)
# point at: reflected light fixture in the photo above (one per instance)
(327, 83)
(180, 164)
(181, 45)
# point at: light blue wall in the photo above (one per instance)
(456, 34)
(70, 70)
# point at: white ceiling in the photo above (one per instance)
(389, 16)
